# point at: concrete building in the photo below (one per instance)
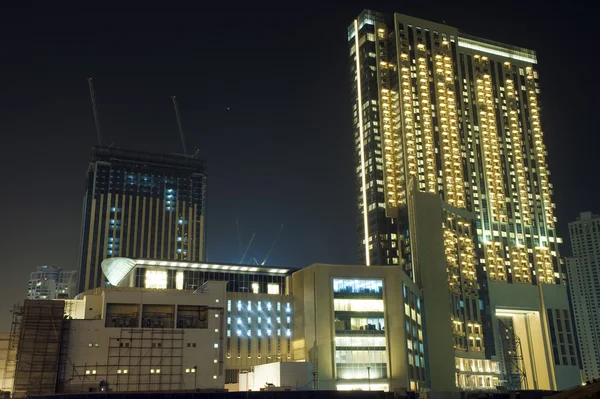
(51, 282)
(526, 319)
(4, 342)
(453, 121)
(179, 325)
(584, 282)
(361, 328)
(258, 308)
(141, 204)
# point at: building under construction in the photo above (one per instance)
(35, 347)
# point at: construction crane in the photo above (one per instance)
(239, 235)
(180, 126)
(96, 119)
(272, 246)
(247, 248)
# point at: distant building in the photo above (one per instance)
(51, 282)
(584, 282)
(140, 204)
(453, 187)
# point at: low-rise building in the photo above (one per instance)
(361, 327)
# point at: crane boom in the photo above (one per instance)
(272, 246)
(239, 236)
(96, 119)
(247, 248)
(180, 126)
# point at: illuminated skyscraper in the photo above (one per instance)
(452, 185)
(584, 283)
(142, 205)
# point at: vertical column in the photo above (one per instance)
(515, 142)
(450, 141)
(489, 139)
(539, 147)
(426, 126)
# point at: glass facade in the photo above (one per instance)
(256, 282)
(360, 344)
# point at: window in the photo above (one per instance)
(358, 286)
(156, 279)
(273, 289)
(255, 288)
(358, 305)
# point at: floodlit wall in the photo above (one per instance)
(139, 358)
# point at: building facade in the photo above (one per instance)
(258, 315)
(362, 329)
(438, 113)
(583, 269)
(51, 282)
(141, 205)
(152, 330)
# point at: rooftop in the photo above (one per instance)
(110, 154)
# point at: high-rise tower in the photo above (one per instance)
(584, 282)
(144, 205)
(452, 185)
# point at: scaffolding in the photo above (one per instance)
(138, 359)
(512, 355)
(13, 345)
(38, 348)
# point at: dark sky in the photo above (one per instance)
(282, 154)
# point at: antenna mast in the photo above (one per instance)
(179, 124)
(96, 119)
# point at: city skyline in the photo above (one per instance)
(135, 110)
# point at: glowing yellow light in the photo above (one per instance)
(362, 146)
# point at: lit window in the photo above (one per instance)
(255, 288)
(358, 305)
(156, 279)
(179, 280)
(273, 289)
(216, 345)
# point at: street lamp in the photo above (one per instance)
(194, 370)
(369, 376)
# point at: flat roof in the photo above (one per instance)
(117, 268)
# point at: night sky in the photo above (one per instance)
(264, 94)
